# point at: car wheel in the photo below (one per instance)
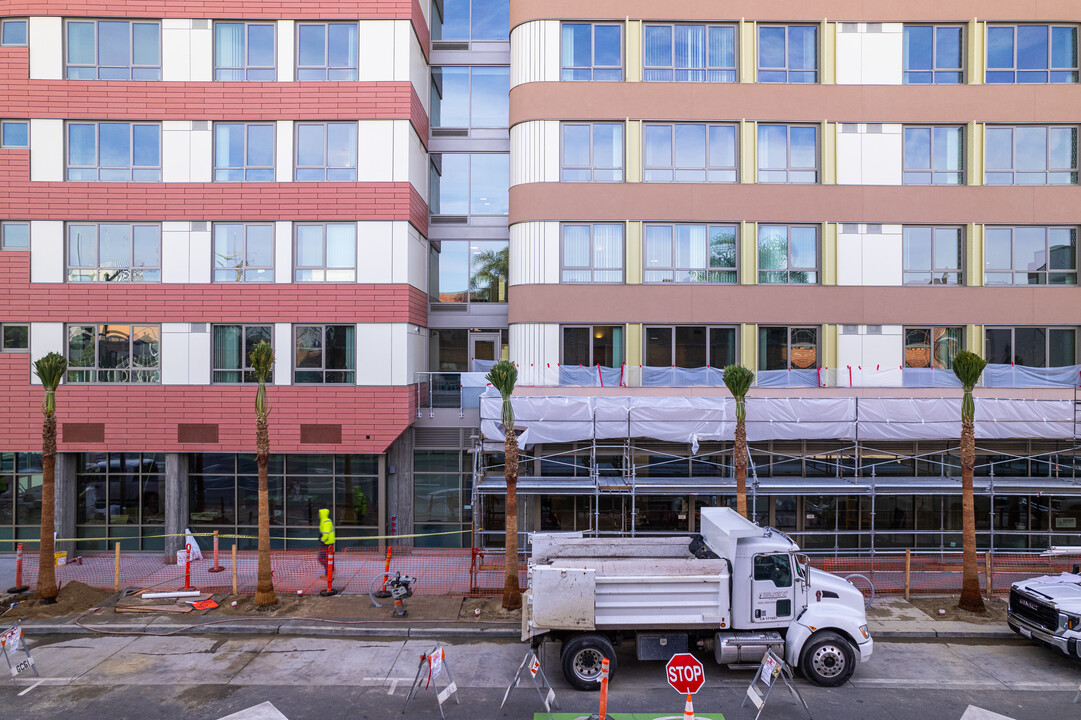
(582, 658)
(828, 659)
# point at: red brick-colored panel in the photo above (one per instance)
(145, 417)
(224, 9)
(82, 432)
(320, 434)
(197, 433)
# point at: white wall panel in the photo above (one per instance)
(882, 53)
(45, 337)
(283, 157)
(849, 154)
(47, 251)
(176, 150)
(881, 156)
(884, 351)
(419, 73)
(849, 257)
(175, 49)
(534, 52)
(375, 252)
(849, 44)
(375, 368)
(202, 50)
(199, 354)
(200, 260)
(375, 142)
(376, 40)
(882, 256)
(46, 36)
(418, 162)
(534, 152)
(46, 150)
(286, 45)
(283, 354)
(283, 251)
(201, 157)
(849, 353)
(534, 253)
(175, 252)
(416, 258)
(174, 354)
(409, 348)
(534, 347)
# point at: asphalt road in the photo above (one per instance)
(324, 678)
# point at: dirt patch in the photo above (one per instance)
(996, 609)
(74, 598)
(490, 609)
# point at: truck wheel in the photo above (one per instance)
(828, 659)
(581, 660)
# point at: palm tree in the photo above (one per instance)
(968, 367)
(262, 360)
(738, 379)
(503, 376)
(50, 370)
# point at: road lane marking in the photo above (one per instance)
(31, 687)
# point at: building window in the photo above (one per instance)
(1031, 155)
(788, 254)
(114, 152)
(932, 255)
(1031, 346)
(243, 252)
(690, 346)
(592, 253)
(120, 498)
(113, 50)
(1030, 256)
(470, 97)
(592, 152)
(326, 51)
(685, 152)
(233, 345)
(933, 54)
(788, 53)
(471, 20)
(690, 254)
(690, 53)
(591, 345)
(326, 252)
(12, 32)
(14, 337)
(787, 154)
(325, 152)
(470, 183)
(108, 252)
(14, 236)
(244, 51)
(20, 495)
(787, 348)
(471, 271)
(934, 156)
(593, 51)
(932, 347)
(114, 354)
(1032, 54)
(14, 134)
(325, 354)
(442, 489)
(243, 152)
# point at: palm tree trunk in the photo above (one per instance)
(264, 587)
(512, 593)
(740, 453)
(46, 588)
(970, 583)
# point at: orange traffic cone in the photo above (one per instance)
(688, 711)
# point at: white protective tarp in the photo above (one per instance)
(551, 419)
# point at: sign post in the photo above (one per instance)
(11, 641)
(771, 668)
(531, 666)
(686, 675)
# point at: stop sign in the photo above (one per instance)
(685, 674)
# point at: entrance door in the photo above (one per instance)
(772, 588)
(483, 346)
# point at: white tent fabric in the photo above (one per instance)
(557, 418)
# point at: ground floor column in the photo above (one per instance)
(176, 503)
(65, 499)
(400, 486)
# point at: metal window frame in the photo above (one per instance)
(243, 267)
(154, 373)
(590, 327)
(25, 21)
(591, 268)
(97, 268)
(107, 478)
(593, 66)
(247, 167)
(245, 360)
(960, 272)
(961, 71)
(932, 170)
(326, 166)
(1048, 169)
(12, 121)
(247, 66)
(675, 269)
(131, 167)
(323, 370)
(785, 69)
(1047, 338)
(706, 167)
(97, 66)
(1043, 274)
(592, 167)
(326, 67)
(705, 69)
(788, 343)
(817, 269)
(470, 68)
(3, 227)
(297, 267)
(931, 329)
(3, 345)
(789, 168)
(1014, 69)
(673, 327)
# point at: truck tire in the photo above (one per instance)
(828, 659)
(581, 661)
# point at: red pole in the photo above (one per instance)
(603, 710)
(330, 569)
(217, 565)
(187, 569)
(386, 567)
(19, 587)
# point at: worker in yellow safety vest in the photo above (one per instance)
(326, 537)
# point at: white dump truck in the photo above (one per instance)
(736, 589)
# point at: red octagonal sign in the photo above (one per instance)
(685, 673)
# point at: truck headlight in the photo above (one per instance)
(867, 636)
(1073, 622)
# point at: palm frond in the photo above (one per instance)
(50, 370)
(262, 361)
(503, 376)
(738, 380)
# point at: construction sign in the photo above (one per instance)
(11, 642)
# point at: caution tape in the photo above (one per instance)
(224, 536)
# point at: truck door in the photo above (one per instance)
(772, 588)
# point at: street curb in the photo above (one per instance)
(285, 628)
(941, 635)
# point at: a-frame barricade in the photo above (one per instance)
(531, 666)
(436, 663)
(11, 642)
(772, 668)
